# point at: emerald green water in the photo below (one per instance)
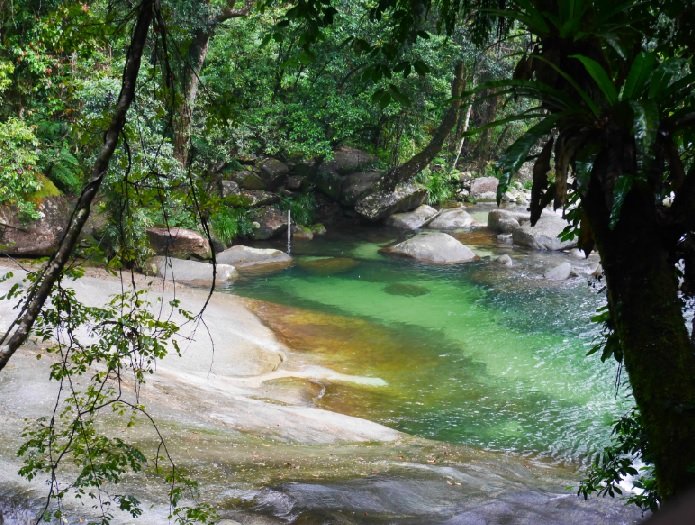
(475, 354)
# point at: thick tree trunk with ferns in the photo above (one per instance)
(642, 289)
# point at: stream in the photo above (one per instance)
(477, 354)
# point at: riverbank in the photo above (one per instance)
(239, 410)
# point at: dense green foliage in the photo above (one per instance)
(606, 88)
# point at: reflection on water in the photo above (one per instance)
(477, 353)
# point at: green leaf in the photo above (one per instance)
(622, 187)
(600, 76)
(645, 124)
(641, 71)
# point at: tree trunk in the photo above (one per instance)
(646, 311)
(36, 297)
(421, 160)
(197, 54)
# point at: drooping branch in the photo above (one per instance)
(21, 327)
(421, 160)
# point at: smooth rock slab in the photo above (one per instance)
(452, 219)
(412, 220)
(191, 272)
(245, 256)
(434, 247)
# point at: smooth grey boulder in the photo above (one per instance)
(506, 221)
(451, 219)
(412, 220)
(381, 203)
(178, 242)
(484, 188)
(273, 173)
(561, 272)
(191, 272)
(357, 184)
(545, 234)
(433, 247)
(245, 256)
(505, 260)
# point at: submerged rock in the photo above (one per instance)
(434, 247)
(382, 203)
(178, 242)
(406, 289)
(327, 265)
(412, 220)
(191, 272)
(245, 257)
(505, 260)
(452, 219)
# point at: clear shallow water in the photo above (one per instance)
(474, 354)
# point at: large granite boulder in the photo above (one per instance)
(433, 247)
(178, 242)
(350, 160)
(484, 188)
(229, 187)
(269, 222)
(35, 237)
(274, 173)
(249, 180)
(506, 221)
(545, 234)
(246, 257)
(412, 220)
(191, 272)
(357, 184)
(381, 203)
(258, 198)
(329, 182)
(452, 219)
